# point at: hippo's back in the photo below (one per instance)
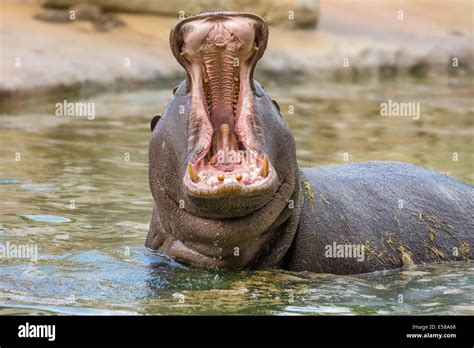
(398, 214)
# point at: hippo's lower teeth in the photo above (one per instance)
(265, 167)
(193, 175)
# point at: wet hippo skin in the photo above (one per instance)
(229, 194)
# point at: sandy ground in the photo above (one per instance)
(37, 56)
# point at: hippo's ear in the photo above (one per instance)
(154, 121)
(276, 104)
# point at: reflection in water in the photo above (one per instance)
(78, 189)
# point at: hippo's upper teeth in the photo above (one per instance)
(238, 177)
(265, 167)
(192, 173)
(220, 176)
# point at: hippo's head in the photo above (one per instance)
(221, 148)
(223, 169)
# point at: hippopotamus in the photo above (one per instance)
(229, 194)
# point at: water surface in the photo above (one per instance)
(78, 190)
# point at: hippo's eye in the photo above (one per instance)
(154, 121)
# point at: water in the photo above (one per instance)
(77, 189)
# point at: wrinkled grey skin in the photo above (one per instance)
(398, 214)
(401, 213)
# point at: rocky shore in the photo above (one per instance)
(348, 40)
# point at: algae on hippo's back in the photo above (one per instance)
(309, 192)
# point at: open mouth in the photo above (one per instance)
(219, 52)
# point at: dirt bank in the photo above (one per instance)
(363, 38)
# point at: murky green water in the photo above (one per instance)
(78, 190)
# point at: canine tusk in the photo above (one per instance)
(265, 167)
(192, 173)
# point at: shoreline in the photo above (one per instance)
(73, 59)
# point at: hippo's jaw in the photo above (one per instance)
(225, 145)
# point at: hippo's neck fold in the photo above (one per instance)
(258, 240)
